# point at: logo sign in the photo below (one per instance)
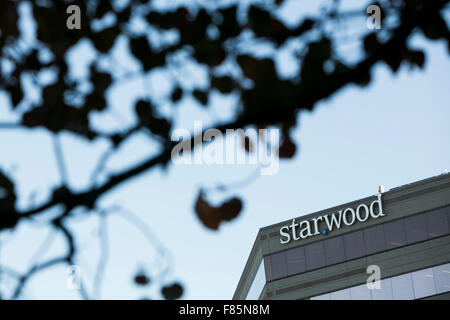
(329, 222)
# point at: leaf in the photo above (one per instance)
(211, 216)
(195, 31)
(177, 94)
(102, 8)
(312, 71)
(209, 52)
(304, 27)
(156, 125)
(16, 93)
(229, 27)
(172, 19)
(9, 17)
(172, 292)
(201, 96)
(96, 99)
(35, 117)
(141, 279)
(257, 18)
(32, 61)
(116, 140)
(370, 42)
(249, 65)
(7, 188)
(8, 215)
(125, 14)
(261, 70)
(437, 29)
(143, 109)
(230, 209)
(56, 116)
(224, 84)
(319, 51)
(287, 149)
(104, 40)
(415, 57)
(61, 192)
(263, 24)
(394, 61)
(207, 214)
(159, 126)
(143, 52)
(364, 79)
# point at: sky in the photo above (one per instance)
(393, 132)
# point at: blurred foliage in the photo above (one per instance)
(265, 97)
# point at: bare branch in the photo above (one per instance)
(104, 253)
(60, 160)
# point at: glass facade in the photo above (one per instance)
(356, 244)
(257, 285)
(409, 286)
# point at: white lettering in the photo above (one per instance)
(305, 232)
(380, 208)
(285, 234)
(334, 220)
(358, 216)
(352, 221)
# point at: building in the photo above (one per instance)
(401, 235)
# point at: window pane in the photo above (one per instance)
(258, 284)
(402, 287)
(279, 265)
(416, 228)
(423, 281)
(296, 260)
(315, 255)
(442, 278)
(354, 245)
(385, 291)
(334, 250)
(341, 295)
(394, 233)
(325, 296)
(360, 293)
(268, 268)
(448, 215)
(437, 223)
(374, 239)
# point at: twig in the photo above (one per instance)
(104, 253)
(60, 160)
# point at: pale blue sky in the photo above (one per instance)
(394, 132)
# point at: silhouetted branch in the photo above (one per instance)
(32, 271)
(67, 258)
(56, 115)
(311, 97)
(145, 230)
(60, 160)
(104, 253)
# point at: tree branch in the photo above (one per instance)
(309, 97)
